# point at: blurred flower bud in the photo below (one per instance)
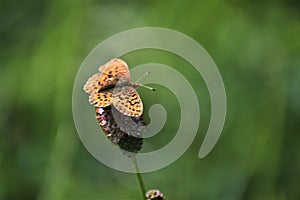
(154, 195)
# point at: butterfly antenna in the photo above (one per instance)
(150, 88)
(138, 80)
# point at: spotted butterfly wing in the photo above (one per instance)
(131, 125)
(127, 101)
(113, 70)
(100, 85)
(101, 99)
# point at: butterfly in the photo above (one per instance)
(112, 86)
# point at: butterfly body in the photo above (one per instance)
(134, 85)
(112, 86)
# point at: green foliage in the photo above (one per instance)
(256, 46)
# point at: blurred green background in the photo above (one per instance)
(256, 46)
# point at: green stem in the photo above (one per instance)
(139, 179)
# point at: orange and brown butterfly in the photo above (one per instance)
(112, 86)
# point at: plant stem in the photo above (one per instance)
(139, 179)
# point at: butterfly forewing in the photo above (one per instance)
(93, 84)
(101, 99)
(114, 70)
(100, 85)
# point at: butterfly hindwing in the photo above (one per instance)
(127, 101)
(130, 125)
